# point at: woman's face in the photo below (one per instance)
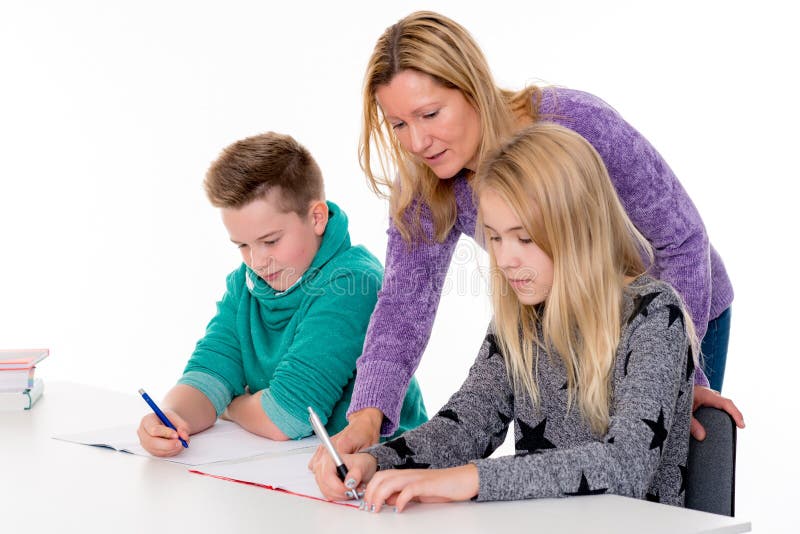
(434, 123)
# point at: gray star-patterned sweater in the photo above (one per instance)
(643, 454)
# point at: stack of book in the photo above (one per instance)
(19, 389)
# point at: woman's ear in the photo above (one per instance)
(319, 216)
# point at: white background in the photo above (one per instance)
(111, 113)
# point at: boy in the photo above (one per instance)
(292, 322)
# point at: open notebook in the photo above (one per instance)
(223, 441)
(288, 473)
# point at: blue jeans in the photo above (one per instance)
(714, 348)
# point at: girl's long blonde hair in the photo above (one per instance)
(558, 186)
(432, 44)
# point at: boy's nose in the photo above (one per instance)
(259, 259)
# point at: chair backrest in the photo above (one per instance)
(711, 477)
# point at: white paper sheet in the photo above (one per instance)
(223, 441)
(288, 472)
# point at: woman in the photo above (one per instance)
(433, 112)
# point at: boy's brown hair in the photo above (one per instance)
(249, 168)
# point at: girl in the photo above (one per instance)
(588, 355)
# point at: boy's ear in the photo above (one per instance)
(319, 216)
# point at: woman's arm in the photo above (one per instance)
(400, 325)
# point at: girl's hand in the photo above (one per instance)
(399, 486)
(363, 430)
(361, 468)
(704, 396)
(160, 440)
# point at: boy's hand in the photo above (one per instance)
(400, 486)
(160, 440)
(361, 468)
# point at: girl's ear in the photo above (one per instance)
(319, 216)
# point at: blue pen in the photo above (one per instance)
(161, 415)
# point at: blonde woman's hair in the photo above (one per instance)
(557, 185)
(431, 44)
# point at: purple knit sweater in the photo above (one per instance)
(651, 194)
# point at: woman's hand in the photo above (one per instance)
(704, 396)
(160, 440)
(361, 468)
(400, 486)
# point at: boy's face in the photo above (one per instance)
(279, 246)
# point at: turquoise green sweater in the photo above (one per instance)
(299, 346)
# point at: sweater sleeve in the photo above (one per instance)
(322, 357)
(401, 324)
(653, 197)
(471, 425)
(643, 414)
(215, 367)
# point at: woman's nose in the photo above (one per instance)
(419, 139)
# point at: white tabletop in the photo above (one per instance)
(55, 486)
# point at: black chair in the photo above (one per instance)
(711, 477)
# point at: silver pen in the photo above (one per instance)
(322, 434)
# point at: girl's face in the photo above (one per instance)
(434, 123)
(527, 268)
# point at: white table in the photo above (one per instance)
(55, 486)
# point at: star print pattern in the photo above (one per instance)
(675, 313)
(449, 414)
(640, 303)
(584, 489)
(400, 447)
(493, 350)
(411, 464)
(553, 444)
(533, 439)
(659, 431)
(684, 471)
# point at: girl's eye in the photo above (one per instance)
(398, 125)
(242, 245)
(494, 238)
(269, 243)
(525, 241)
(431, 115)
